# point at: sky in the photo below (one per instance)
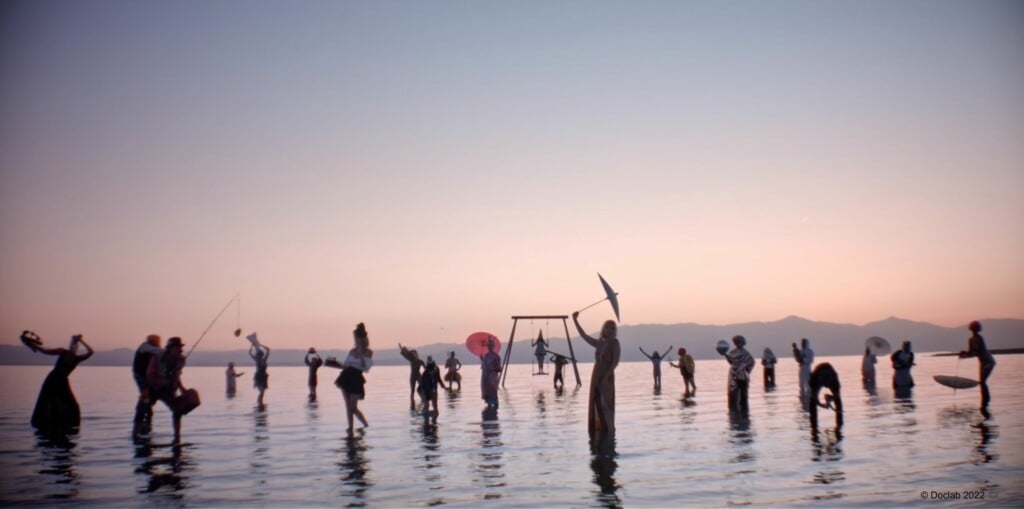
(432, 168)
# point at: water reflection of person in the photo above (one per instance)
(603, 464)
(58, 457)
(826, 450)
(354, 467)
(986, 362)
(491, 452)
(155, 468)
(986, 433)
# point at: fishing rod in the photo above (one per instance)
(238, 331)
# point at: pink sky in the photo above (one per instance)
(433, 171)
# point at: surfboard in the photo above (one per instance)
(956, 382)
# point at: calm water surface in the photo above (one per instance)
(535, 453)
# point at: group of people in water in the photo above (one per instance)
(157, 374)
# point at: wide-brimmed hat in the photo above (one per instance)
(175, 341)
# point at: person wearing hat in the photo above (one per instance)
(986, 362)
(166, 383)
(741, 363)
(686, 369)
(313, 361)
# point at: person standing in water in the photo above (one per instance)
(351, 380)
(540, 352)
(986, 362)
(687, 368)
(559, 361)
(260, 380)
(490, 374)
(452, 376)
(229, 378)
(768, 362)
(415, 365)
(902, 362)
(429, 381)
(656, 361)
(867, 367)
(165, 378)
(313, 361)
(149, 349)
(601, 411)
(57, 411)
(805, 358)
(741, 363)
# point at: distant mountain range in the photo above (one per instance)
(699, 340)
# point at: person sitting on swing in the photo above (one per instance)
(540, 351)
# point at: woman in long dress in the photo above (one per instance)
(902, 362)
(57, 411)
(601, 413)
(490, 374)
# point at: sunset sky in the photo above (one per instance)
(431, 168)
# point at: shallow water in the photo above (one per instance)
(667, 452)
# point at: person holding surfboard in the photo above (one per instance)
(986, 362)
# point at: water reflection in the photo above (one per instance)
(602, 462)
(540, 403)
(58, 459)
(164, 471)
(431, 460)
(491, 454)
(261, 452)
(826, 450)
(453, 399)
(742, 439)
(983, 430)
(354, 467)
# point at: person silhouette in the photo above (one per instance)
(229, 378)
(559, 361)
(57, 411)
(986, 362)
(902, 361)
(601, 408)
(768, 361)
(741, 363)
(260, 379)
(415, 365)
(687, 369)
(313, 361)
(540, 351)
(351, 380)
(490, 374)
(656, 364)
(452, 376)
(149, 349)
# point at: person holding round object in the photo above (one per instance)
(351, 380)
(313, 362)
(722, 346)
(260, 379)
(687, 368)
(57, 411)
(986, 362)
(741, 363)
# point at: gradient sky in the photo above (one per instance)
(432, 168)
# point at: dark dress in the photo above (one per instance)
(57, 409)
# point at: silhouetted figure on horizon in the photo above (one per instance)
(824, 376)
(57, 411)
(656, 362)
(768, 361)
(687, 368)
(313, 361)
(986, 362)
(601, 410)
(415, 365)
(260, 379)
(540, 352)
(229, 380)
(741, 363)
(144, 354)
(452, 376)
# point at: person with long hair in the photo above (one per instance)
(986, 362)
(352, 381)
(415, 366)
(57, 411)
(601, 412)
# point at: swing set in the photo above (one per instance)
(512, 337)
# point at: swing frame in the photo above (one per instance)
(512, 337)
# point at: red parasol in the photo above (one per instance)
(476, 343)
